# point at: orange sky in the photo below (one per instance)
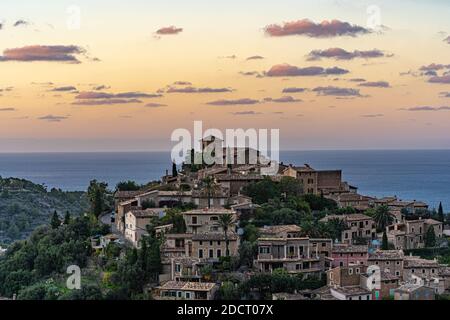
(118, 46)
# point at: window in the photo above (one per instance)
(397, 273)
(178, 268)
(397, 263)
(357, 270)
(412, 270)
(432, 270)
(218, 243)
(211, 253)
(423, 270)
(388, 262)
(200, 253)
(264, 250)
(210, 243)
(350, 271)
(179, 294)
(194, 220)
(219, 253)
(214, 228)
(201, 243)
(214, 218)
(341, 264)
(188, 295)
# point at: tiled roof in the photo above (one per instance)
(213, 236)
(350, 248)
(386, 255)
(182, 285)
(210, 211)
(417, 262)
(279, 229)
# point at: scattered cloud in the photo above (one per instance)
(182, 83)
(64, 89)
(341, 54)
(286, 70)
(7, 109)
(447, 40)
(224, 102)
(21, 22)
(231, 57)
(336, 91)
(440, 79)
(255, 58)
(123, 95)
(426, 108)
(375, 84)
(191, 89)
(102, 102)
(325, 29)
(155, 105)
(52, 118)
(44, 53)
(100, 87)
(284, 99)
(245, 113)
(377, 115)
(251, 73)
(357, 80)
(294, 90)
(169, 30)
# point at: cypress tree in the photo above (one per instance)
(67, 218)
(174, 170)
(441, 216)
(385, 243)
(430, 238)
(55, 222)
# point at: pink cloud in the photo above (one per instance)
(169, 30)
(286, 70)
(325, 29)
(43, 53)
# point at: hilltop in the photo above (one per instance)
(25, 205)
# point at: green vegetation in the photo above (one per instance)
(430, 238)
(128, 186)
(25, 205)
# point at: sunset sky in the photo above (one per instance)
(329, 74)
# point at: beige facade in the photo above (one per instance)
(181, 290)
(389, 261)
(410, 234)
(358, 226)
(205, 220)
(295, 255)
(136, 222)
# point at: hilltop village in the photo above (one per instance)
(223, 225)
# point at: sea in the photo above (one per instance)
(409, 174)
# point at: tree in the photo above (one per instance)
(382, 217)
(210, 187)
(335, 227)
(226, 221)
(128, 186)
(385, 243)
(441, 215)
(67, 218)
(55, 222)
(97, 194)
(174, 169)
(247, 252)
(430, 238)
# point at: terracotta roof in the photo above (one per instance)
(350, 248)
(213, 236)
(188, 286)
(279, 229)
(417, 262)
(386, 255)
(210, 211)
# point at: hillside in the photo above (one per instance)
(25, 205)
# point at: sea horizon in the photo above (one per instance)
(413, 174)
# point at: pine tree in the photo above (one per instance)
(67, 218)
(430, 238)
(385, 243)
(441, 215)
(55, 222)
(174, 170)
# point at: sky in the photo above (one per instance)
(102, 75)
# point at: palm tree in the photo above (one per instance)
(336, 226)
(382, 217)
(226, 221)
(210, 187)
